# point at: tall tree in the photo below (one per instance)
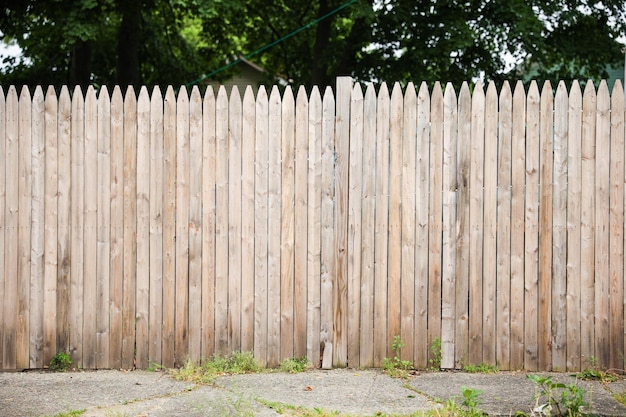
(177, 41)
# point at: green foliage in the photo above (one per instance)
(435, 354)
(557, 398)
(294, 365)
(61, 362)
(396, 367)
(238, 363)
(470, 400)
(595, 373)
(483, 368)
(176, 42)
(70, 413)
(620, 397)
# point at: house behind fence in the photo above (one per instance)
(156, 228)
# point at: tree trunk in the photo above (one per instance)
(319, 64)
(128, 44)
(80, 65)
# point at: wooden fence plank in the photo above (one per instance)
(503, 251)
(36, 301)
(314, 235)
(129, 284)
(195, 226)
(261, 233)
(587, 228)
(77, 217)
(24, 229)
(476, 226)
(91, 233)
(327, 261)
(11, 229)
(518, 184)
(208, 224)
(559, 231)
(142, 315)
(407, 290)
(3, 165)
(342, 155)
(461, 352)
(169, 228)
(355, 187)
(394, 259)
(490, 206)
(546, 173)
(117, 226)
(435, 225)
(381, 225)
(51, 213)
(155, 323)
(574, 183)
(287, 225)
(103, 233)
(274, 229)
(602, 193)
(181, 321)
(300, 224)
(616, 198)
(328, 233)
(531, 241)
(449, 218)
(234, 220)
(247, 222)
(422, 230)
(368, 233)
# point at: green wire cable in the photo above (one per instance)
(269, 45)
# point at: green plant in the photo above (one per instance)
(294, 365)
(435, 354)
(238, 363)
(595, 373)
(70, 413)
(560, 399)
(483, 368)
(396, 367)
(620, 397)
(61, 362)
(470, 400)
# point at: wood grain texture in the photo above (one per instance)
(247, 222)
(368, 220)
(355, 228)
(155, 332)
(616, 244)
(142, 342)
(463, 229)
(36, 301)
(574, 190)
(408, 155)
(301, 171)
(559, 231)
(602, 233)
(51, 214)
(531, 225)
(381, 226)
(587, 226)
(503, 238)
(449, 219)
(476, 220)
(261, 232)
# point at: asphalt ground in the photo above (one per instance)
(112, 393)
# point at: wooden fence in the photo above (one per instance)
(155, 229)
